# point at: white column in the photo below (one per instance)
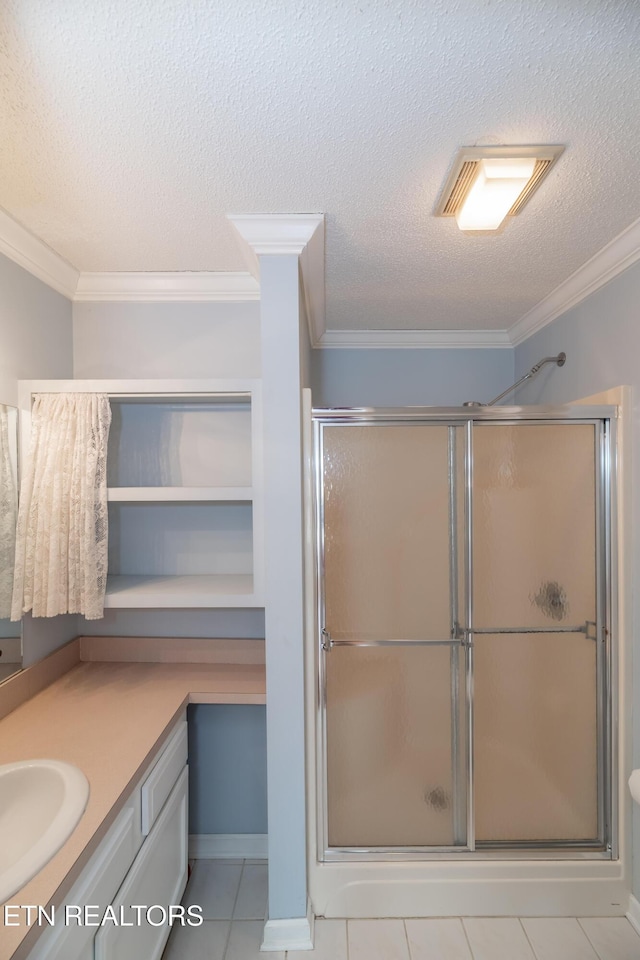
(276, 248)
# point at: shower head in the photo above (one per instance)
(560, 361)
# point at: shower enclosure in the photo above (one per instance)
(464, 633)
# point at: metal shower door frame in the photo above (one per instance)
(604, 420)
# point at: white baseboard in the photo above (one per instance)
(228, 846)
(295, 934)
(633, 914)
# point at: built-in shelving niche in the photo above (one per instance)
(184, 492)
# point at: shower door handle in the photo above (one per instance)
(326, 642)
(519, 631)
(465, 634)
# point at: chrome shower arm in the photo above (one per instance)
(535, 369)
(509, 390)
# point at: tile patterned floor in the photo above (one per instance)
(233, 895)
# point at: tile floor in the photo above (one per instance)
(233, 896)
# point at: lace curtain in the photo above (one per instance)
(8, 515)
(61, 549)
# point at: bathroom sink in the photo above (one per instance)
(41, 801)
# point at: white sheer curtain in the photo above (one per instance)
(8, 514)
(61, 550)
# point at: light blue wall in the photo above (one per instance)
(418, 377)
(35, 330)
(35, 343)
(601, 337)
(166, 340)
(228, 783)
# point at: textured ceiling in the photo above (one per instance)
(129, 129)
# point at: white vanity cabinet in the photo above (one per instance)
(184, 474)
(156, 880)
(141, 861)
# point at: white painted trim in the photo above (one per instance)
(633, 913)
(295, 934)
(275, 234)
(412, 339)
(167, 286)
(292, 234)
(135, 388)
(24, 248)
(288, 234)
(616, 256)
(228, 846)
(312, 271)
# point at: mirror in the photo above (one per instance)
(10, 631)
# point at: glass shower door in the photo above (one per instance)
(465, 660)
(537, 663)
(393, 665)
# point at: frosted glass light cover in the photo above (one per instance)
(497, 186)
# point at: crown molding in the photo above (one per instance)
(312, 270)
(24, 248)
(288, 234)
(414, 339)
(607, 263)
(274, 234)
(302, 235)
(167, 286)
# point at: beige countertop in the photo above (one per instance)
(108, 719)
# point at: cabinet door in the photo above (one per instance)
(160, 782)
(157, 878)
(96, 886)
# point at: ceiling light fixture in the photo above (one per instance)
(487, 184)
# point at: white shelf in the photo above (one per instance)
(179, 494)
(184, 488)
(220, 590)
